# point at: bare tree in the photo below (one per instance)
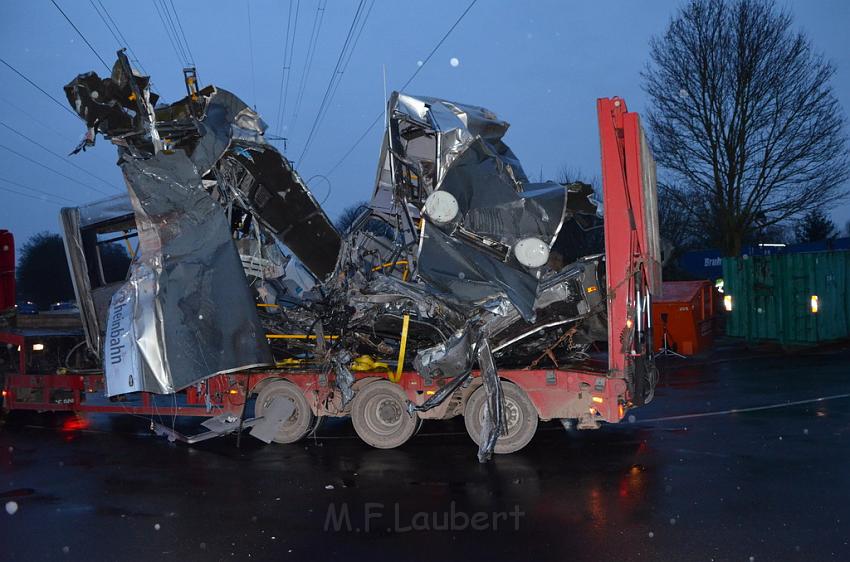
(814, 227)
(43, 276)
(674, 225)
(745, 126)
(571, 174)
(350, 214)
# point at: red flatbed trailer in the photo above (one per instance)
(589, 394)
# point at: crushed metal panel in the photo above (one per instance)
(232, 142)
(207, 125)
(495, 425)
(80, 227)
(69, 220)
(650, 211)
(216, 427)
(275, 415)
(452, 259)
(476, 251)
(493, 215)
(469, 275)
(193, 315)
(282, 202)
(484, 239)
(105, 210)
(191, 308)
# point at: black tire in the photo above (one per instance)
(520, 413)
(302, 420)
(380, 417)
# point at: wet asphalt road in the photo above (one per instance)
(765, 485)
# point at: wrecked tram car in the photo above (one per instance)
(451, 294)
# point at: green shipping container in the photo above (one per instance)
(789, 298)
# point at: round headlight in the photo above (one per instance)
(531, 252)
(441, 207)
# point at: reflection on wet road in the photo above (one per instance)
(770, 484)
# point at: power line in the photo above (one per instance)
(57, 172)
(347, 61)
(103, 19)
(45, 193)
(31, 196)
(438, 45)
(40, 89)
(80, 33)
(288, 64)
(284, 67)
(335, 75)
(407, 83)
(356, 143)
(251, 54)
(174, 32)
(182, 33)
(360, 32)
(308, 61)
(291, 55)
(119, 37)
(63, 158)
(168, 33)
(35, 119)
(124, 41)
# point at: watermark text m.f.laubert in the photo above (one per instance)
(374, 516)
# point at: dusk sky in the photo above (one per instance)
(539, 65)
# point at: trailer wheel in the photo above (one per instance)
(300, 423)
(380, 417)
(520, 414)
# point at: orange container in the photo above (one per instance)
(685, 311)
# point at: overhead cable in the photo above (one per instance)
(57, 155)
(57, 172)
(40, 89)
(335, 75)
(407, 83)
(80, 33)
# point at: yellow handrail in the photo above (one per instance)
(389, 264)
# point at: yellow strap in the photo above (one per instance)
(400, 367)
